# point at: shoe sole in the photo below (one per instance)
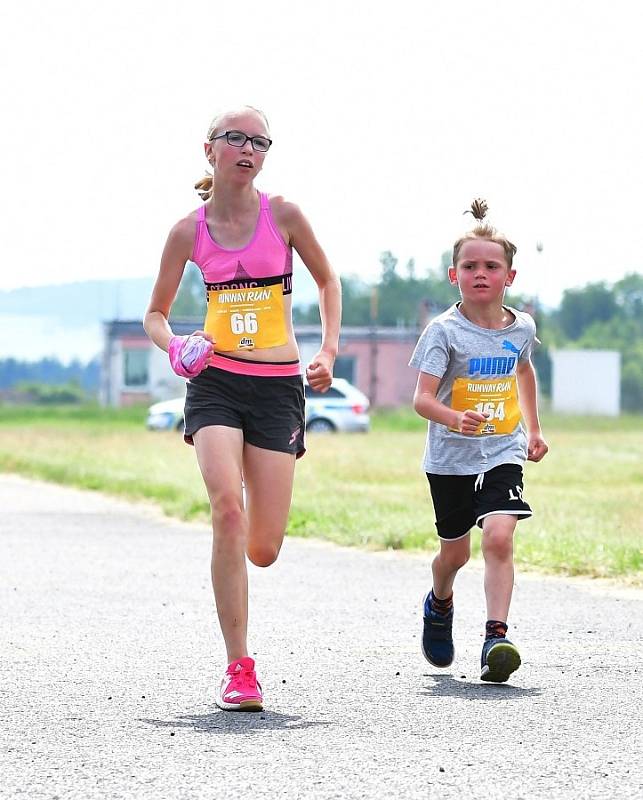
(244, 705)
(424, 653)
(502, 660)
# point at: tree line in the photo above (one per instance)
(600, 315)
(49, 381)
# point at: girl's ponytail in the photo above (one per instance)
(205, 186)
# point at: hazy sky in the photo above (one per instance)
(386, 120)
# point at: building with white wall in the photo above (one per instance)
(586, 382)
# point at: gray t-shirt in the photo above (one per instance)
(477, 367)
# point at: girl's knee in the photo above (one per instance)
(263, 555)
(228, 519)
(264, 544)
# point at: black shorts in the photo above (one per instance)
(269, 410)
(462, 501)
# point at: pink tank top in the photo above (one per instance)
(265, 257)
(266, 260)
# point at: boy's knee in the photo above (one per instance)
(459, 560)
(497, 542)
(454, 556)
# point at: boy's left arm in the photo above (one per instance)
(536, 446)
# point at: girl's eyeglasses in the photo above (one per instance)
(238, 139)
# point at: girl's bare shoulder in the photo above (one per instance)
(284, 211)
(182, 232)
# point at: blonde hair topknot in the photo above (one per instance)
(483, 230)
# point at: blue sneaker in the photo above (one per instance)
(437, 637)
(499, 659)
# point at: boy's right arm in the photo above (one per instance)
(428, 406)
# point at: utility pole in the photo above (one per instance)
(372, 391)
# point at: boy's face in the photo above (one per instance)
(482, 273)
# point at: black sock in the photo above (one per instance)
(442, 607)
(495, 629)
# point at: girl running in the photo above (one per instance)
(244, 408)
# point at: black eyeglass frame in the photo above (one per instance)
(247, 138)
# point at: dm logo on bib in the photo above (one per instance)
(246, 343)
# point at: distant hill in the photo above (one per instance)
(96, 301)
(82, 302)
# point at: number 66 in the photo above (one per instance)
(244, 323)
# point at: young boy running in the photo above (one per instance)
(476, 381)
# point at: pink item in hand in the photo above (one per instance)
(189, 355)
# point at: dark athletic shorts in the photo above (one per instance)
(462, 501)
(269, 410)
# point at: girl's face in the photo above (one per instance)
(237, 164)
(482, 273)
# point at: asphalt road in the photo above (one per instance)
(110, 654)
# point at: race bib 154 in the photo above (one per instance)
(497, 398)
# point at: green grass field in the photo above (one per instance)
(364, 490)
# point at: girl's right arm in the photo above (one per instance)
(428, 406)
(176, 253)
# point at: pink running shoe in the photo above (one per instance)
(240, 690)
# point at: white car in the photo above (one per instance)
(341, 408)
(166, 415)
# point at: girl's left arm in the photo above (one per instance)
(537, 447)
(320, 370)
